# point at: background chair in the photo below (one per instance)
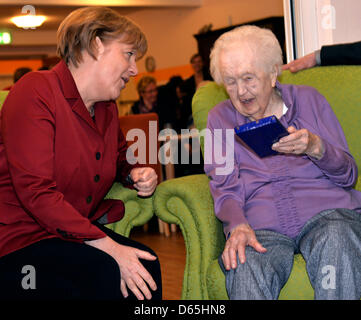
(138, 211)
(142, 122)
(187, 201)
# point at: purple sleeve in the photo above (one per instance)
(226, 187)
(337, 163)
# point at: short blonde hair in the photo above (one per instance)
(78, 31)
(144, 82)
(268, 49)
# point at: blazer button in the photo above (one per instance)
(89, 199)
(97, 156)
(96, 178)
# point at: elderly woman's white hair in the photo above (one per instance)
(267, 47)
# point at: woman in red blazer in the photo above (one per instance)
(61, 149)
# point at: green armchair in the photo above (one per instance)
(138, 211)
(187, 201)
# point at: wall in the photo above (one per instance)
(347, 21)
(7, 70)
(323, 22)
(170, 32)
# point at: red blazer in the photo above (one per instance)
(56, 163)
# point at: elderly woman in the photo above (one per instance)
(297, 201)
(61, 149)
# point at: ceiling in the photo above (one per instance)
(57, 10)
(54, 14)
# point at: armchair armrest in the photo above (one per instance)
(187, 202)
(138, 210)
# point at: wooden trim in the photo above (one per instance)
(24, 57)
(115, 3)
(19, 52)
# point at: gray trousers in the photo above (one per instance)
(330, 243)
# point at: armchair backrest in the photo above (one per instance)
(205, 98)
(3, 95)
(340, 85)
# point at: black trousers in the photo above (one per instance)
(54, 269)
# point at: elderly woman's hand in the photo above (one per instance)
(145, 180)
(300, 142)
(240, 237)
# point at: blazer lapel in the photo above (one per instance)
(80, 109)
(103, 114)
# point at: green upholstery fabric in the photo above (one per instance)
(3, 95)
(187, 201)
(138, 211)
(342, 88)
(204, 103)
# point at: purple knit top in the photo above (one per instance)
(282, 192)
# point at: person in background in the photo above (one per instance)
(338, 54)
(151, 100)
(148, 96)
(19, 72)
(200, 75)
(61, 150)
(185, 106)
(300, 200)
(174, 95)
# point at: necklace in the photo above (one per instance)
(91, 111)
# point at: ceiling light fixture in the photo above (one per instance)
(28, 21)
